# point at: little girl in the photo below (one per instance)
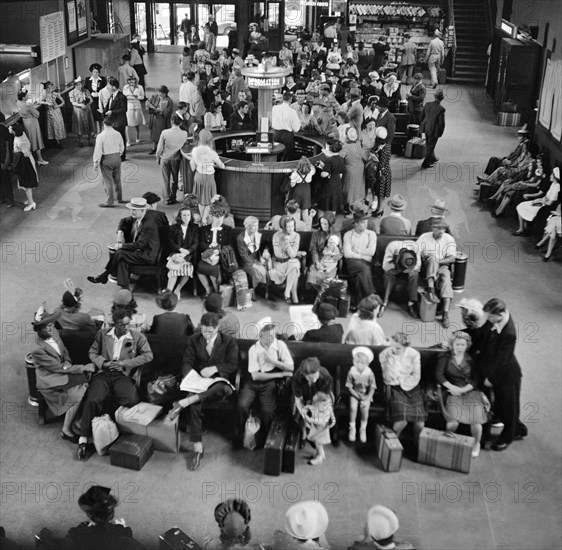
(300, 187)
(319, 418)
(361, 385)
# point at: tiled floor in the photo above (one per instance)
(509, 500)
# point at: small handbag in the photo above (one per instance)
(162, 390)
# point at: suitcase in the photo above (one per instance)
(273, 448)
(442, 76)
(333, 300)
(415, 148)
(344, 303)
(389, 449)
(428, 309)
(176, 539)
(509, 119)
(413, 130)
(242, 292)
(227, 295)
(290, 450)
(131, 451)
(445, 450)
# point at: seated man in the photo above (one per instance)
(141, 250)
(117, 353)
(269, 360)
(438, 251)
(438, 211)
(401, 258)
(522, 143)
(211, 354)
(359, 247)
(293, 211)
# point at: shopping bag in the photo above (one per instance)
(104, 432)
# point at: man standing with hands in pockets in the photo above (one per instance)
(107, 156)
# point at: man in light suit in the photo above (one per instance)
(117, 353)
(143, 249)
(355, 111)
(211, 354)
(116, 109)
(409, 50)
(432, 125)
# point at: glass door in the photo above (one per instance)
(274, 24)
(180, 12)
(142, 26)
(162, 24)
(225, 16)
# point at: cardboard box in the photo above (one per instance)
(389, 449)
(428, 309)
(131, 451)
(445, 450)
(142, 414)
(164, 432)
(509, 119)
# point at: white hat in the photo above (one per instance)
(351, 134)
(306, 520)
(471, 304)
(137, 203)
(382, 522)
(556, 173)
(381, 132)
(365, 351)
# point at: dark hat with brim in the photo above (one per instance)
(406, 260)
(68, 300)
(326, 312)
(360, 217)
(43, 317)
(151, 198)
(168, 300)
(213, 302)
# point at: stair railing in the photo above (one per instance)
(454, 48)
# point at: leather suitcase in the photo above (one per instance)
(290, 450)
(273, 448)
(415, 148)
(176, 539)
(131, 451)
(389, 449)
(428, 309)
(449, 451)
(344, 303)
(334, 300)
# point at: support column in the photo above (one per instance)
(242, 20)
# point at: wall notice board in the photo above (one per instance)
(52, 36)
(76, 21)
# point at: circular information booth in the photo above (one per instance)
(265, 79)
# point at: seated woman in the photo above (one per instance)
(233, 518)
(170, 324)
(253, 250)
(363, 329)
(382, 524)
(286, 264)
(401, 372)
(219, 200)
(326, 267)
(552, 232)
(317, 271)
(213, 119)
(527, 211)
(101, 530)
(71, 318)
(509, 192)
(183, 243)
(310, 379)
(211, 238)
(349, 69)
(124, 299)
(329, 330)
(300, 187)
(305, 527)
(464, 404)
(61, 383)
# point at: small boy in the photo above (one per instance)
(361, 385)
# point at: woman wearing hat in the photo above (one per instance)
(391, 90)
(380, 180)
(286, 263)
(228, 322)
(23, 165)
(82, 117)
(160, 108)
(134, 93)
(463, 403)
(331, 169)
(233, 518)
(254, 253)
(323, 258)
(55, 123)
(382, 525)
(170, 324)
(61, 383)
(363, 328)
(305, 527)
(71, 318)
(401, 372)
(329, 330)
(124, 299)
(354, 156)
(395, 223)
(30, 120)
(334, 59)
(94, 84)
(183, 242)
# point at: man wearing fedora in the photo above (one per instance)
(117, 353)
(359, 247)
(416, 98)
(386, 119)
(438, 212)
(438, 251)
(395, 223)
(107, 157)
(432, 125)
(141, 250)
(355, 111)
(401, 258)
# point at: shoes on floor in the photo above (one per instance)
(100, 279)
(83, 452)
(352, 434)
(72, 438)
(412, 310)
(105, 205)
(43, 162)
(316, 460)
(518, 233)
(30, 207)
(500, 446)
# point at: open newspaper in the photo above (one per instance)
(195, 383)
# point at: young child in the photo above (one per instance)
(300, 186)
(319, 418)
(361, 385)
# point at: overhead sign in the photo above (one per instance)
(268, 83)
(509, 28)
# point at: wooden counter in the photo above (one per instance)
(253, 189)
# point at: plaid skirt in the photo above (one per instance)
(407, 405)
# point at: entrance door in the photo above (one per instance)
(162, 24)
(180, 11)
(275, 26)
(142, 25)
